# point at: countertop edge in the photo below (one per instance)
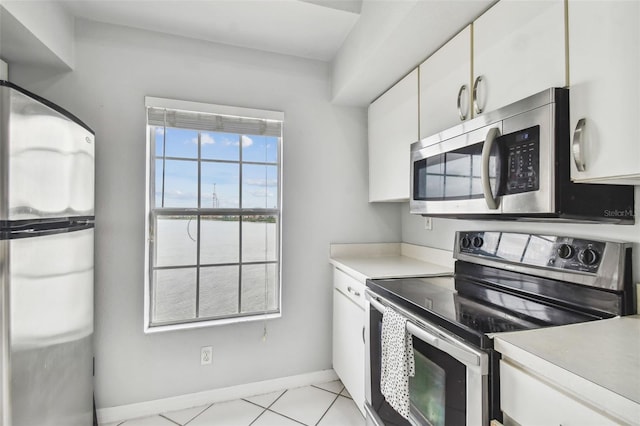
(580, 388)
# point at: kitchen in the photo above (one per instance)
(102, 72)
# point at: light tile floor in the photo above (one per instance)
(327, 404)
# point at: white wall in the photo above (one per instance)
(443, 232)
(325, 200)
(44, 22)
(390, 39)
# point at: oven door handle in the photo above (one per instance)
(430, 334)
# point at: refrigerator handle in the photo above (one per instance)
(43, 229)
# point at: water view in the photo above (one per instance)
(226, 287)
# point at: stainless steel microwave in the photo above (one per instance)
(512, 163)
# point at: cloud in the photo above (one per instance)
(176, 194)
(246, 141)
(207, 139)
(261, 182)
(262, 193)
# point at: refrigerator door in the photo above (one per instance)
(47, 160)
(50, 289)
(4, 334)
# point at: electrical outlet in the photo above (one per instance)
(428, 225)
(206, 353)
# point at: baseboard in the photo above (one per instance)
(148, 408)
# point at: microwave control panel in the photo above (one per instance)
(522, 152)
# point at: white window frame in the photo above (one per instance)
(223, 110)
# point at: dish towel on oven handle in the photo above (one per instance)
(397, 361)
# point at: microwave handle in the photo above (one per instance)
(492, 200)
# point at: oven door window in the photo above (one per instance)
(427, 391)
(454, 175)
(437, 392)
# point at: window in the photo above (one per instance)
(213, 214)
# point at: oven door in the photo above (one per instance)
(450, 387)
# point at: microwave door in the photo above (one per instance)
(447, 176)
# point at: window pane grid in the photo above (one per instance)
(244, 221)
(252, 217)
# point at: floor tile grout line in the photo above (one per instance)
(326, 390)
(276, 400)
(284, 415)
(275, 412)
(172, 421)
(198, 415)
(327, 410)
(264, 410)
(268, 406)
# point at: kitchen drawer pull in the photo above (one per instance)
(476, 107)
(463, 89)
(577, 145)
(354, 292)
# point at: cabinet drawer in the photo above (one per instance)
(349, 286)
(528, 400)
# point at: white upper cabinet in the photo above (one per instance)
(445, 86)
(393, 127)
(604, 53)
(519, 49)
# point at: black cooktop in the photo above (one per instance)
(468, 315)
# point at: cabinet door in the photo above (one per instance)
(348, 346)
(604, 53)
(519, 50)
(529, 401)
(393, 127)
(444, 77)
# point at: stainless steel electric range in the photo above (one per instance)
(502, 282)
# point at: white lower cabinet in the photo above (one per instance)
(348, 334)
(526, 399)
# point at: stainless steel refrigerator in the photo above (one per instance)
(46, 262)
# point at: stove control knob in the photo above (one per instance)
(589, 257)
(566, 251)
(477, 242)
(465, 242)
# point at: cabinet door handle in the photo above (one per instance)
(363, 341)
(577, 146)
(463, 116)
(354, 292)
(476, 106)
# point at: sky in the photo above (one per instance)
(260, 182)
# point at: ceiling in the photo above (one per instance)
(370, 44)
(312, 29)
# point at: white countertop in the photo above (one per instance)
(598, 361)
(389, 260)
